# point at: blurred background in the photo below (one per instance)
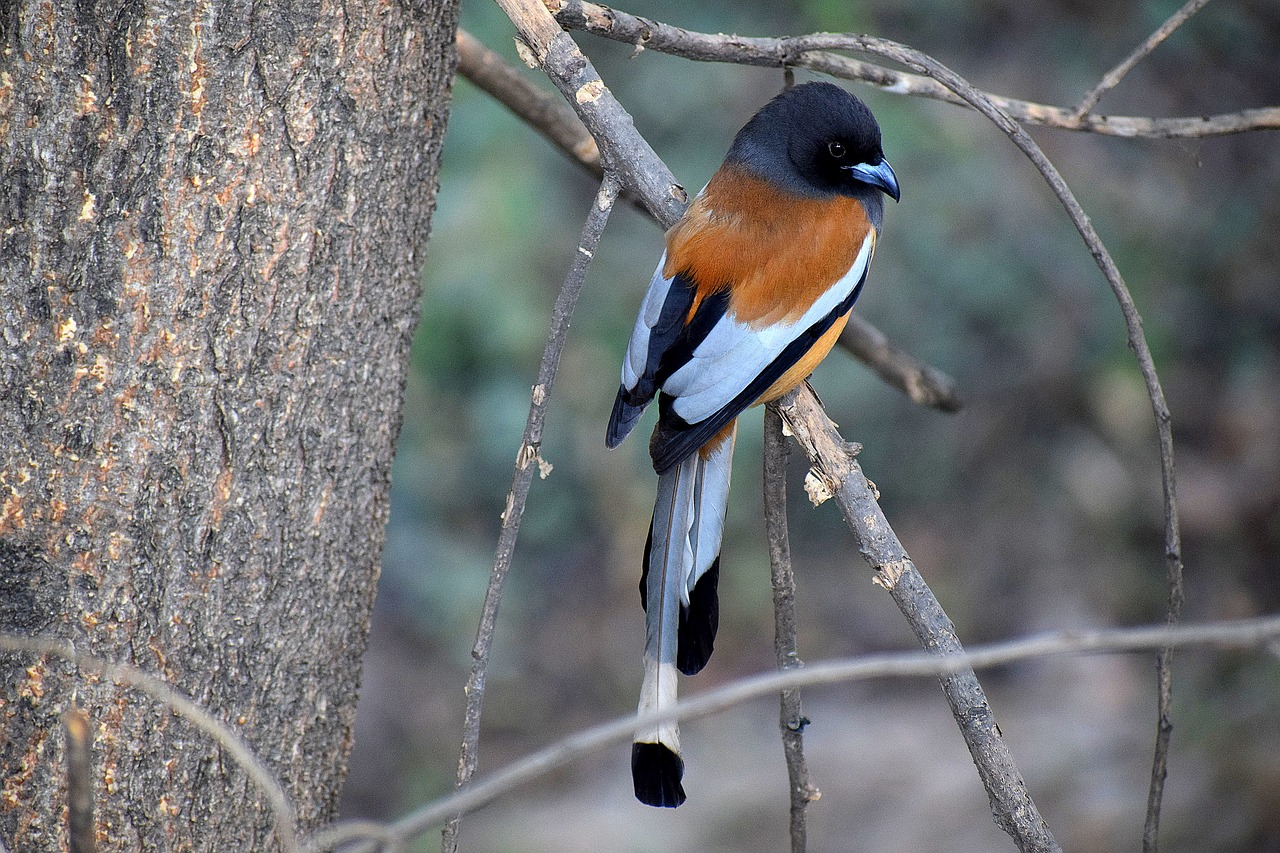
(1036, 508)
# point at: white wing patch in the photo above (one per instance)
(733, 353)
(650, 310)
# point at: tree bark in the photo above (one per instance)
(211, 219)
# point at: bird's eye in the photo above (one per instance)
(836, 150)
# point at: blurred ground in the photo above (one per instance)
(1036, 508)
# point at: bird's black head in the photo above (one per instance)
(816, 139)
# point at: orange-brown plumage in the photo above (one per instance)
(800, 371)
(777, 252)
(723, 435)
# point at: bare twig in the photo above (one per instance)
(1164, 661)
(924, 384)
(783, 52)
(605, 119)
(369, 836)
(549, 115)
(841, 477)
(1243, 633)
(219, 732)
(1164, 734)
(1113, 77)
(527, 461)
(82, 836)
(791, 718)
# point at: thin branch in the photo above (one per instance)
(785, 52)
(231, 742)
(1164, 734)
(1242, 633)
(840, 476)
(1164, 662)
(791, 718)
(527, 461)
(1113, 77)
(605, 119)
(549, 115)
(372, 836)
(82, 836)
(1137, 342)
(923, 383)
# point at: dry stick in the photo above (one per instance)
(841, 477)
(605, 119)
(778, 52)
(550, 115)
(1137, 342)
(1164, 661)
(923, 383)
(1113, 77)
(219, 732)
(527, 461)
(575, 77)
(1240, 633)
(791, 718)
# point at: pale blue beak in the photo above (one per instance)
(880, 176)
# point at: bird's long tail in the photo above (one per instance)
(678, 590)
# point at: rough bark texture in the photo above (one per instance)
(211, 215)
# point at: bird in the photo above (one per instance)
(755, 284)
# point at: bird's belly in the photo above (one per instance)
(800, 371)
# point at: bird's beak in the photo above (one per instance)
(880, 175)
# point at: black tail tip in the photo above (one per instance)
(698, 623)
(656, 772)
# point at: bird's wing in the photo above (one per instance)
(735, 364)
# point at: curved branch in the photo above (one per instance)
(790, 51)
(1137, 342)
(1242, 633)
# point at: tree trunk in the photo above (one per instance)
(211, 219)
